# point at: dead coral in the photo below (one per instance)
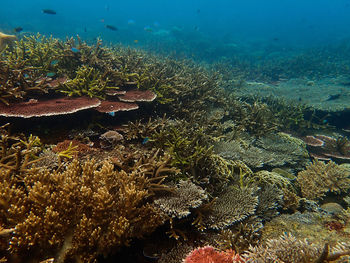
(84, 211)
(184, 196)
(319, 178)
(287, 249)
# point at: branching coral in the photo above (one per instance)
(287, 249)
(17, 153)
(84, 211)
(87, 82)
(319, 178)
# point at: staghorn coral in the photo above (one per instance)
(232, 206)
(288, 249)
(86, 210)
(17, 152)
(319, 178)
(184, 196)
(87, 82)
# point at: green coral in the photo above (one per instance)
(86, 82)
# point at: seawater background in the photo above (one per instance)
(201, 28)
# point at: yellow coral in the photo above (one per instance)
(86, 210)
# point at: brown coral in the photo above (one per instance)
(84, 211)
(320, 178)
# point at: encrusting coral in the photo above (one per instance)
(319, 178)
(88, 209)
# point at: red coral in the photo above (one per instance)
(208, 254)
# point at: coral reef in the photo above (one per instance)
(287, 248)
(5, 40)
(272, 150)
(326, 147)
(319, 178)
(51, 107)
(86, 210)
(233, 205)
(208, 254)
(184, 196)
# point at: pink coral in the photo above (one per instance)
(208, 254)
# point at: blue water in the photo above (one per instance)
(202, 24)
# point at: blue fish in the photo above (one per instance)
(112, 113)
(74, 49)
(50, 74)
(54, 62)
(145, 140)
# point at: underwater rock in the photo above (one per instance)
(110, 139)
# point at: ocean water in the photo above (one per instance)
(198, 24)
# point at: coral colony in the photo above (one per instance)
(112, 152)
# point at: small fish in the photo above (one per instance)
(74, 49)
(51, 74)
(54, 62)
(333, 97)
(18, 29)
(49, 11)
(148, 29)
(102, 20)
(145, 140)
(136, 41)
(110, 27)
(112, 113)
